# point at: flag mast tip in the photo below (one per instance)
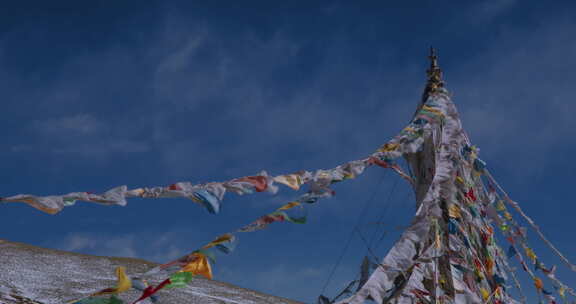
(434, 73)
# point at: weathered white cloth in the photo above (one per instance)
(452, 260)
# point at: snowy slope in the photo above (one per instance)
(30, 274)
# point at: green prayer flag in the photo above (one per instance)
(180, 279)
(297, 220)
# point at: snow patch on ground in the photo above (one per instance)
(34, 275)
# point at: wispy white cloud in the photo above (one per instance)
(81, 135)
(75, 125)
(181, 57)
(155, 247)
(485, 11)
(122, 246)
(204, 66)
(103, 148)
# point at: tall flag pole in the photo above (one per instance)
(448, 254)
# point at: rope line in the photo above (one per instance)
(384, 233)
(532, 223)
(384, 211)
(355, 227)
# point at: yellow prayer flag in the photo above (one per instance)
(530, 253)
(500, 206)
(219, 240)
(349, 175)
(438, 242)
(409, 129)
(454, 211)
(561, 291)
(290, 205)
(124, 283)
(460, 180)
(479, 274)
(430, 109)
(388, 147)
(485, 294)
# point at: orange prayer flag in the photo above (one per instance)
(538, 283)
(199, 266)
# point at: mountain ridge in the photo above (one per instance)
(36, 275)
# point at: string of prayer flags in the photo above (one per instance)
(388, 163)
(210, 195)
(279, 215)
(531, 222)
(55, 203)
(191, 265)
(518, 233)
(198, 262)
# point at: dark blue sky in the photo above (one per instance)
(104, 93)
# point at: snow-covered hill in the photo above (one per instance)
(35, 275)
